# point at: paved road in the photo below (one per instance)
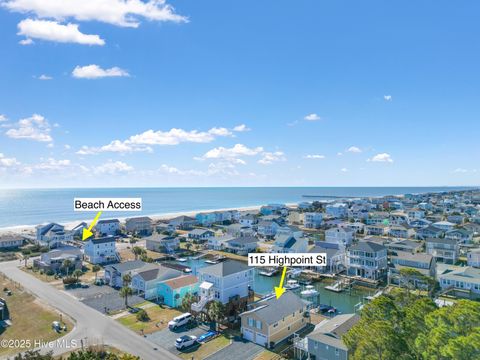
(90, 326)
(239, 349)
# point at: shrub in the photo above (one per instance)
(142, 315)
(50, 272)
(70, 280)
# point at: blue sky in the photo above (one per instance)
(251, 93)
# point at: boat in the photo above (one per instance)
(323, 308)
(292, 273)
(292, 285)
(309, 291)
(304, 281)
(268, 272)
(213, 262)
(377, 294)
(182, 259)
(337, 287)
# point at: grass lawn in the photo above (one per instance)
(43, 277)
(268, 355)
(31, 319)
(159, 319)
(204, 350)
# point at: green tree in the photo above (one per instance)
(187, 301)
(77, 273)
(66, 265)
(95, 270)
(216, 312)
(142, 315)
(138, 251)
(125, 292)
(127, 279)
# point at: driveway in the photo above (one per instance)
(104, 297)
(166, 338)
(91, 327)
(239, 349)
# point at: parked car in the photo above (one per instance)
(179, 321)
(207, 336)
(185, 341)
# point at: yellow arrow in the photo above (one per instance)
(279, 290)
(88, 232)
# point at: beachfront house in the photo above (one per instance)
(145, 280)
(325, 341)
(54, 259)
(171, 292)
(271, 321)
(182, 223)
(313, 220)
(473, 258)
(343, 236)
(101, 250)
(77, 230)
(242, 245)
(205, 219)
(444, 250)
(11, 241)
(108, 227)
(367, 260)
(52, 235)
(162, 243)
(227, 281)
(337, 210)
(139, 225)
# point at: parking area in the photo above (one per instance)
(239, 349)
(103, 298)
(166, 338)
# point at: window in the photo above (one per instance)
(250, 322)
(337, 352)
(259, 325)
(275, 325)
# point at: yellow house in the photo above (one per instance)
(272, 320)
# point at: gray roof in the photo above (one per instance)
(272, 310)
(127, 265)
(199, 231)
(103, 240)
(107, 221)
(225, 268)
(243, 240)
(331, 252)
(441, 241)
(367, 246)
(330, 331)
(418, 257)
(160, 273)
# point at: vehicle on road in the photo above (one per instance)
(180, 321)
(185, 341)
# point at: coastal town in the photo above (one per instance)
(181, 287)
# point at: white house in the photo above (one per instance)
(337, 210)
(313, 220)
(219, 242)
(340, 235)
(368, 260)
(224, 281)
(108, 227)
(416, 213)
(464, 279)
(267, 228)
(52, 235)
(473, 258)
(101, 250)
(444, 225)
(10, 241)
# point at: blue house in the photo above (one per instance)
(172, 291)
(206, 219)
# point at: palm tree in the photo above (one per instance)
(125, 292)
(67, 264)
(187, 301)
(188, 246)
(127, 279)
(77, 273)
(138, 251)
(26, 257)
(216, 312)
(95, 270)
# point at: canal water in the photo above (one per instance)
(344, 302)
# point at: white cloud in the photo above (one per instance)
(344, 170)
(3, 118)
(387, 97)
(50, 145)
(144, 141)
(113, 167)
(383, 157)
(354, 149)
(56, 32)
(173, 170)
(126, 13)
(67, 147)
(7, 162)
(52, 164)
(238, 150)
(339, 154)
(460, 170)
(312, 117)
(241, 128)
(271, 157)
(26, 42)
(96, 72)
(45, 77)
(314, 156)
(35, 128)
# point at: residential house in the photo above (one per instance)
(368, 260)
(456, 219)
(473, 258)
(52, 235)
(11, 241)
(290, 240)
(416, 213)
(398, 218)
(53, 260)
(101, 250)
(379, 229)
(462, 235)
(200, 235)
(271, 320)
(296, 217)
(313, 220)
(337, 210)
(227, 281)
(420, 223)
(377, 217)
(401, 231)
(336, 257)
(430, 232)
(248, 220)
(205, 219)
(444, 225)
(219, 242)
(357, 227)
(108, 227)
(325, 341)
(183, 222)
(161, 243)
(145, 280)
(464, 280)
(444, 250)
(77, 230)
(238, 229)
(242, 245)
(139, 225)
(425, 264)
(410, 246)
(340, 235)
(171, 292)
(267, 229)
(114, 273)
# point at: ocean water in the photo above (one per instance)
(35, 206)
